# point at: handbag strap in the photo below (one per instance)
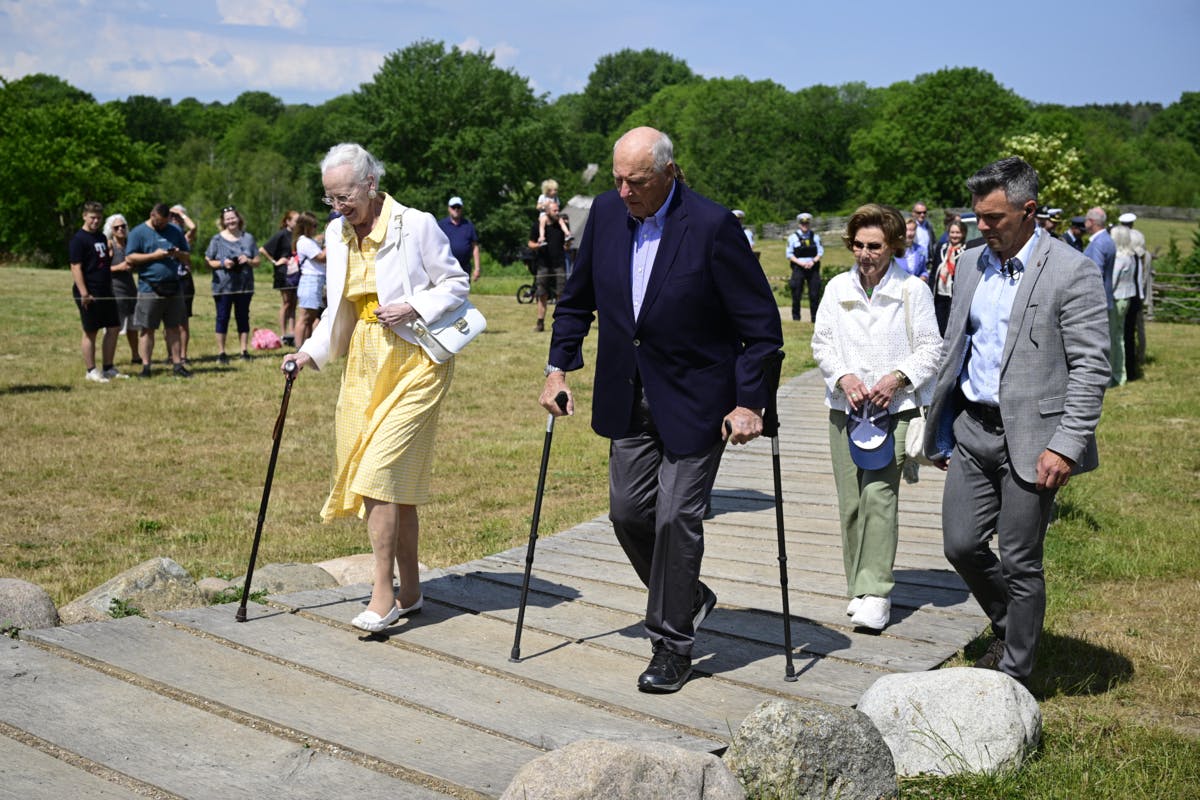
(908, 330)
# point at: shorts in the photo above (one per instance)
(284, 281)
(549, 281)
(153, 309)
(126, 295)
(102, 313)
(311, 291)
(188, 287)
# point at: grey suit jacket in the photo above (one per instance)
(1055, 364)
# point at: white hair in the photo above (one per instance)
(362, 163)
(662, 151)
(112, 220)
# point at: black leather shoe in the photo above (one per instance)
(703, 607)
(991, 659)
(668, 672)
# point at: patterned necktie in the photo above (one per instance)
(1012, 268)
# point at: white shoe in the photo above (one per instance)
(874, 613)
(112, 374)
(852, 609)
(96, 376)
(412, 610)
(371, 622)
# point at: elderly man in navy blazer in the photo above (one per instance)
(1016, 405)
(686, 322)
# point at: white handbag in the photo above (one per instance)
(446, 336)
(443, 338)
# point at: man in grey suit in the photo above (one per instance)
(1017, 401)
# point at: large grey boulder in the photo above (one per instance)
(25, 606)
(807, 749)
(950, 721)
(287, 578)
(630, 770)
(159, 584)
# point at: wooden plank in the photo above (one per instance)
(544, 720)
(596, 674)
(169, 744)
(27, 773)
(312, 705)
(758, 622)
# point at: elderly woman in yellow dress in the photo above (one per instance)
(386, 267)
(876, 342)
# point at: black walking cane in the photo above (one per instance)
(772, 367)
(561, 401)
(289, 367)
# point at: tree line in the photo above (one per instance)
(448, 122)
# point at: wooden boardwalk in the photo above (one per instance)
(293, 703)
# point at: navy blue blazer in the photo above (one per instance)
(707, 323)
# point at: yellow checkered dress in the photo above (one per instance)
(387, 411)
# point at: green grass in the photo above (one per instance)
(100, 478)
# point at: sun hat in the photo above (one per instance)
(872, 443)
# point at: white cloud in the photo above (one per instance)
(286, 14)
(504, 53)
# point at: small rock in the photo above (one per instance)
(950, 721)
(25, 606)
(159, 584)
(807, 749)
(287, 578)
(630, 770)
(211, 587)
(351, 570)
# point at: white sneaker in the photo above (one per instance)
(96, 376)
(112, 374)
(874, 613)
(852, 609)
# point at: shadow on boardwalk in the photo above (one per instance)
(293, 703)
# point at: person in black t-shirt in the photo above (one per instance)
(551, 258)
(90, 262)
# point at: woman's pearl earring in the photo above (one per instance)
(372, 194)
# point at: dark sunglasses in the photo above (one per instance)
(874, 247)
(228, 208)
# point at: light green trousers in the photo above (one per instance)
(868, 502)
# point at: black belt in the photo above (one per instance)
(989, 416)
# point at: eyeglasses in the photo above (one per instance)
(873, 247)
(227, 208)
(337, 200)
(118, 227)
(920, 213)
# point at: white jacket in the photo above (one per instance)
(868, 336)
(414, 265)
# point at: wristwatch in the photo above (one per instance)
(551, 368)
(900, 376)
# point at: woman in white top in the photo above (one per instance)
(310, 291)
(877, 344)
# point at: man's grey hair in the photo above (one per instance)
(662, 151)
(362, 163)
(1014, 175)
(1097, 216)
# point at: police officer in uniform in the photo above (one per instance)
(804, 251)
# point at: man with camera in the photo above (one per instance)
(156, 250)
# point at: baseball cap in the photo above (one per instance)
(872, 444)
(454, 201)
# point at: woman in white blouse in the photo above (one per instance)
(876, 341)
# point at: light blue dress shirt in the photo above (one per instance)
(646, 237)
(987, 325)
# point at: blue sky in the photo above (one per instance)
(307, 51)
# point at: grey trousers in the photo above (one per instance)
(985, 498)
(657, 502)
